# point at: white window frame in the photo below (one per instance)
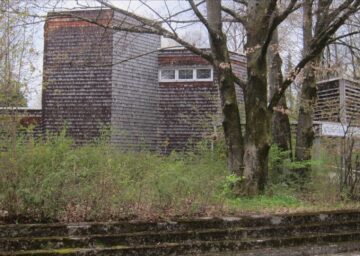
(194, 79)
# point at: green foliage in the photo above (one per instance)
(54, 179)
(283, 169)
(280, 159)
(229, 184)
(265, 202)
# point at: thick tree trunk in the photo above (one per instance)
(231, 120)
(229, 106)
(257, 138)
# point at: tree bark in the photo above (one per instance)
(304, 131)
(257, 137)
(229, 105)
(280, 123)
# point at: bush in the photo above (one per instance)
(54, 179)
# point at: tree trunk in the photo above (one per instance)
(304, 130)
(280, 123)
(231, 121)
(229, 105)
(257, 129)
(257, 138)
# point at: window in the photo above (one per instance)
(168, 74)
(203, 73)
(186, 74)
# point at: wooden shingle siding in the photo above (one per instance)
(77, 76)
(96, 78)
(189, 110)
(135, 99)
(238, 64)
(180, 57)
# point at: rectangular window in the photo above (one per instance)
(203, 73)
(186, 74)
(168, 74)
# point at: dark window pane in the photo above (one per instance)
(168, 74)
(204, 73)
(185, 74)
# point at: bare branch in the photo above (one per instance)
(274, 23)
(239, 82)
(235, 15)
(153, 27)
(341, 8)
(243, 2)
(343, 36)
(314, 49)
(200, 16)
(352, 48)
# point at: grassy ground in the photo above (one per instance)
(54, 180)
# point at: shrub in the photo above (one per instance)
(54, 179)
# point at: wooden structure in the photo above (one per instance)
(338, 101)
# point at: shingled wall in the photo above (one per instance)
(96, 78)
(190, 110)
(135, 96)
(77, 74)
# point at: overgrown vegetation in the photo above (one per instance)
(54, 180)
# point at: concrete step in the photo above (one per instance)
(151, 237)
(247, 235)
(201, 247)
(82, 229)
(329, 249)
